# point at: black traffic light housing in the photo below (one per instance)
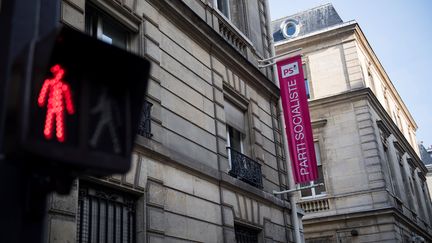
(81, 106)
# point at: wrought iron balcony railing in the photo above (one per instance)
(144, 128)
(245, 168)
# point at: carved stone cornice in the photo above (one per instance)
(385, 119)
(319, 123)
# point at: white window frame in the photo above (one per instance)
(284, 26)
(227, 2)
(228, 146)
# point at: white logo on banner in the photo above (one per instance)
(290, 70)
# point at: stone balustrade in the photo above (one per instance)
(315, 205)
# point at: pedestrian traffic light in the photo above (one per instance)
(81, 106)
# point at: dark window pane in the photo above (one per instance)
(306, 192)
(245, 234)
(105, 27)
(113, 34)
(223, 7)
(144, 127)
(320, 189)
(307, 88)
(290, 29)
(235, 139)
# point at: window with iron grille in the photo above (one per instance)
(144, 128)
(245, 234)
(105, 216)
(241, 166)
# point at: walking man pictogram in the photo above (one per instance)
(59, 98)
(106, 108)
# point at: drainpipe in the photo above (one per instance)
(294, 212)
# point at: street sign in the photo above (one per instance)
(81, 107)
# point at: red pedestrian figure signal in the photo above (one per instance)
(59, 99)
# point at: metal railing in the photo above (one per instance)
(105, 216)
(144, 128)
(245, 168)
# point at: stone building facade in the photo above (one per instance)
(426, 156)
(209, 151)
(368, 159)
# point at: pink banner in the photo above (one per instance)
(297, 119)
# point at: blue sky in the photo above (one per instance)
(400, 33)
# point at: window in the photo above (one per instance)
(306, 79)
(236, 126)
(105, 28)
(144, 128)
(234, 139)
(390, 165)
(223, 6)
(318, 190)
(245, 234)
(417, 194)
(405, 179)
(105, 215)
(235, 11)
(240, 166)
(290, 28)
(236, 129)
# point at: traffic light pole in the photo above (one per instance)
(23, 190)
(32, 162)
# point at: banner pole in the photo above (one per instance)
(297, 189)
(291, 184)
(278, 56)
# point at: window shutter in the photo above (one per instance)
(235, 117)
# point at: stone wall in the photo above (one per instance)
(348, 147)
(370, 228)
